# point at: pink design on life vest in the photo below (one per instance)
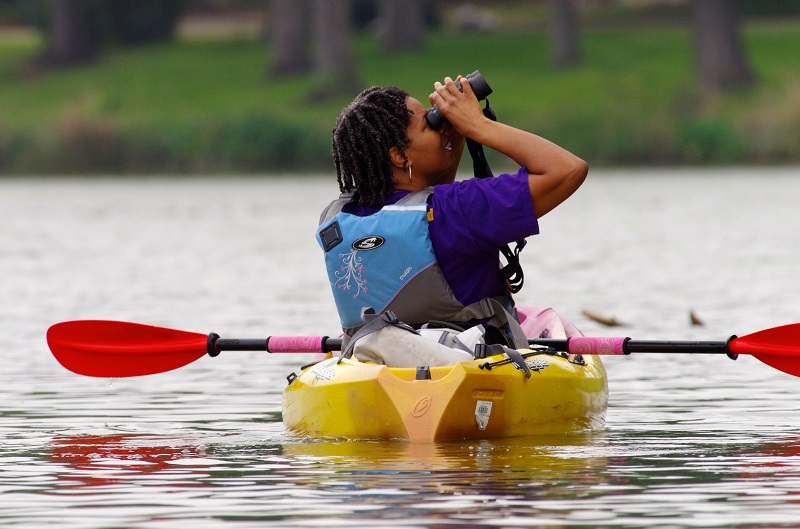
(350, 274)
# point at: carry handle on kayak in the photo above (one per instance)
(103, 348)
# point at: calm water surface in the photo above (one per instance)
(690, 441)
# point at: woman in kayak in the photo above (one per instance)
(405, 236)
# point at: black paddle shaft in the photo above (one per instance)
(651, 346)
(216, 345)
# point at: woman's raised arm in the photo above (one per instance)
(554, 172)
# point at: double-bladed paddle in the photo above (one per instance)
(102, 348)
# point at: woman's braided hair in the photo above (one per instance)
(366, 129)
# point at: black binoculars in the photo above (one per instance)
(479, 86)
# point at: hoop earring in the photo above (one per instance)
(410, 179)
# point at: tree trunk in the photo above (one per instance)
(565, 49)
(69, 37)
(334, 61)
(290, 37)
(719, 54)
(402, 25)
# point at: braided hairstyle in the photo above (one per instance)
(365, 130)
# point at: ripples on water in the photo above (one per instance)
(691, 441)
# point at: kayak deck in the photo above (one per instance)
(482, 398)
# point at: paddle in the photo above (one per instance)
(102, 348)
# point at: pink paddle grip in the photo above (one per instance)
(592, 345)
(295, 344)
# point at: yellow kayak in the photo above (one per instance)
(483, 398)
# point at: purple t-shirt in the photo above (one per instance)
(472, 220)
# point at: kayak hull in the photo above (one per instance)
(479, 399)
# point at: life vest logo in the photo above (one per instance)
(368, 243)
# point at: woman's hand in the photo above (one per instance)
(461, 108)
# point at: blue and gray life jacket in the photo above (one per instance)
(385, 261)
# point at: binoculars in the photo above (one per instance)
(479, 86)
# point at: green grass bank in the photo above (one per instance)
(209, 105)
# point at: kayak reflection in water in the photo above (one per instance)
(406, 237)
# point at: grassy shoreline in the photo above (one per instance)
(209, 106)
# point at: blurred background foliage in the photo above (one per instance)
(180, 86)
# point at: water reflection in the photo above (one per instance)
(431, 481)
(102, 460)
(601, 478)
(459, 467)
(487, 466)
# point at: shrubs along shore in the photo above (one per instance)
(200, 106)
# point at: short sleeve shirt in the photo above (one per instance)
(472, 220)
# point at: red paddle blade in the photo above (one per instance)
(99, 348)
(778, 347)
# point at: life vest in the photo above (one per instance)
(385, 261)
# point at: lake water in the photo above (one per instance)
(690, 441)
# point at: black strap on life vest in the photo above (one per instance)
(511, 273)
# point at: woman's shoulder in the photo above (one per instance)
(508, 183)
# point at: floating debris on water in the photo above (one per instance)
(609, 321)
(695, 319)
